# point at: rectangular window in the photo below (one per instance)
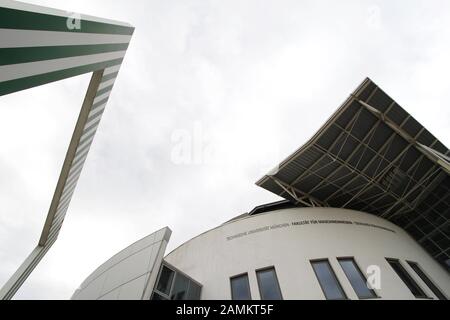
(174, 285)
(194, 291)
(327, 280)
(240, 288)
(417, 269)
(180, 288)
(269, 287)
(356, 278)
(165, 280)
(406, 278)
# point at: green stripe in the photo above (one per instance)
(11, 86)
(26, 20)
(109, 76)
(83, 139)
(102, 91)
(30, 54)
(98, 104)
(86, 129)
(81, 150)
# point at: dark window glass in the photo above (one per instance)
(417, 269)
(356, 278)
(180, 288)
(240, 288)
(268, 284)
(327, 280)
(194, 291)
(165, 280)
(406, 278)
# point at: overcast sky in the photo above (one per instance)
(211, 96)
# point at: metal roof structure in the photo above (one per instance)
(373, 156)
(41, 45)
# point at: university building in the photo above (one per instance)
(364, 209)
(365, 216)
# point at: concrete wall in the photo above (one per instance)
(130, 274)
(212, 259)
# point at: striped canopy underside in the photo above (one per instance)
(38, 47)
(373, 156)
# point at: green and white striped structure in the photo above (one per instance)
(40, 45)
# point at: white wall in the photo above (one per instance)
(129, 274)
(211, 259)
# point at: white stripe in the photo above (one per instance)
(97, 118)
(61, 213)
(64, 203)
(106, 83)
(58, 217)
(74, 170)
(70, 188)
(101, 97)
(65, 199)
(82, 160)
(89, 131)
(12, 38)
(21, 70)
(111, 70)
(54, 227)
(80, 146)
(97, 110)
(81, 154)
(54, 231)
(55, 12)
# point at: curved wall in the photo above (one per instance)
(288, 239)
(128, 275)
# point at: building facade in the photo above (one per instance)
(365, 215)
(287, 253)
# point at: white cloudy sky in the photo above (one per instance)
(247, 82)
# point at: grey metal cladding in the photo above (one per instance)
(373, 156)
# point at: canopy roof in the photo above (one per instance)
(41, 45)
(373, 156)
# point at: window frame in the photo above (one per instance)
(394, 260)
(312, 261)
(171, 283)
(166, 296)
(248, 281)
(176, 272)
(358, 268)
(276, 278)
(437, 288)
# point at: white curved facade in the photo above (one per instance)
(130, 274)
(288, 239)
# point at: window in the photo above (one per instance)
(417, 269)
(240, 288)
(268, 284)
(327, 280)
(174, 285)
(406, 278)
(180, 288)
(356, 278)
(165, 280)
(194, 291)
